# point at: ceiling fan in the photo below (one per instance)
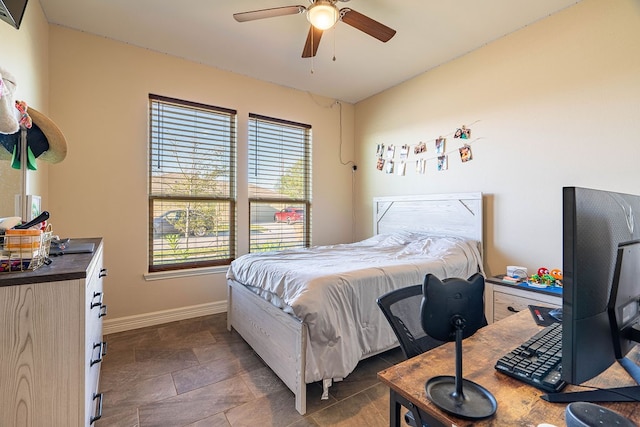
(322, 14)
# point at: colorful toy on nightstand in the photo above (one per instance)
(542, 271)
(545, 278)
(556, 273)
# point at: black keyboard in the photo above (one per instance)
(537, 361)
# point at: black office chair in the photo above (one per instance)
(401, 307)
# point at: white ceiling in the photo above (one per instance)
(429, 33)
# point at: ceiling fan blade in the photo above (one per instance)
(268, 13)
(313, 41)
(366, 24)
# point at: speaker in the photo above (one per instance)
(584, 414)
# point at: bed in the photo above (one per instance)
(310, 314)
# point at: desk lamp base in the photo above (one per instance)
(474, 402)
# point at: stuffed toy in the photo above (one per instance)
(26, 123)
(25, 119)
(44, 139)
(8, 121)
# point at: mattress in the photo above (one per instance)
(333, 289)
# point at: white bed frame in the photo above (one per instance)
(281, 339)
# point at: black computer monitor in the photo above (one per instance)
(596, 224)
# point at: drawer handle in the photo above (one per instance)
(513, 310)
(95, 303)
(103, 273)
(103, 311)
(102, 353)
(98, 413)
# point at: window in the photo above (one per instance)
(279, 184)
(192, 208)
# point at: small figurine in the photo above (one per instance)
(542, 271)
(25, 119)
(556, 273)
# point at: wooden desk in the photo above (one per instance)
(518, 404)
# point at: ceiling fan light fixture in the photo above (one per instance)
(322, 14)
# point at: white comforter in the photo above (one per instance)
(333, 289)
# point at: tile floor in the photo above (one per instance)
(196, 373)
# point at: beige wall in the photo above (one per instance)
(551, 105)
(99, 97)
(555, 104)
(24, 53)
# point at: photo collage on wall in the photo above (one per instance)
(387, 162)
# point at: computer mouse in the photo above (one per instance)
(556, 313)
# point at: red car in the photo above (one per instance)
(289, 215)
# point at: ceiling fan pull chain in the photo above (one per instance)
(312, 56)
(333, 33)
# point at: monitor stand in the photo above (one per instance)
(617, 394)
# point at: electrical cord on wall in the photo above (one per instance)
(351, 163)
(354, 168)
(342, 162)
(339, 104)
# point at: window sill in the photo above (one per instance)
(162, 275)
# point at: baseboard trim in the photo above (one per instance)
(127, 323)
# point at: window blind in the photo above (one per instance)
(191, 184)
(279, 183)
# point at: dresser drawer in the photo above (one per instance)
(95, 348)
(95, 310)
(93, 400)
(505, 304)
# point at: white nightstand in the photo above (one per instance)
(504, 299)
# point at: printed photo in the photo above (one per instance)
(421, 166)
(391, 151)
(404, 151)
(401, 169)
(442, 163)
(389, 166)
(463, 133)
(440, 142)
(380, 164)
(420, 148)
(465, 153)
(380, 150)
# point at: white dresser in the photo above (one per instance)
(51, 344)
